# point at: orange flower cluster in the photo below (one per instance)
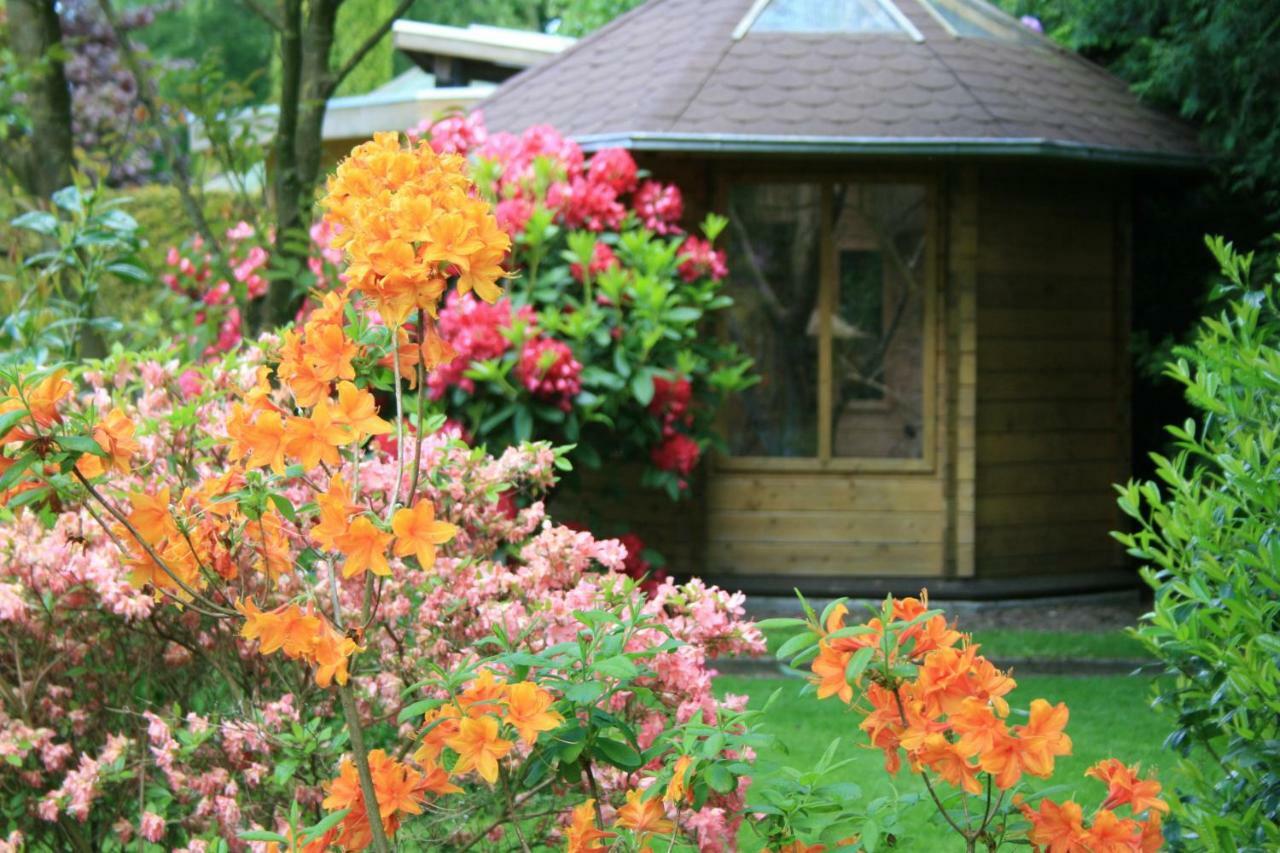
(114, 434)
(409, 220)
(643, 817)
(1060, 828)
(399, 790)
(950, 718)
(301, 635)
(40, 401)
(473, 724)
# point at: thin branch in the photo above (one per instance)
(369, 44)
(149, 98)
(261, 11)
(352, 713)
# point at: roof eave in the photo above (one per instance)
(1031, 147)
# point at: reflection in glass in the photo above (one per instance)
(775, 235)
(826, 16)
(877, 323)
(873, 315)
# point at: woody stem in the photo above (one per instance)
(395, 367)
(422, 399)
(968, 836)
(370, 795)
(133, 531)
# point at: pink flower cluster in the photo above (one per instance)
(550, 372)
(597, 194)
(602, 258)
(477, 331)
(82, 732)
(699, 259)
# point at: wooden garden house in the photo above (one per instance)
(930, 258)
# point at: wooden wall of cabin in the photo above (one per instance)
(1052, 370)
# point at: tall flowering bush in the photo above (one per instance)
(246, 608)
(932, 703)
(605, 339)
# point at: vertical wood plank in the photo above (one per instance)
(826, 303)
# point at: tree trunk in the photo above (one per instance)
(35, 35)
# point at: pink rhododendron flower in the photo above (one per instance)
(550, 372)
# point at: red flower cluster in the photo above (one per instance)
(637, 567)
(474, 329)
(660, 207)
(583, 194)
(677, 453)
(699, 259)
(550, 372)
(602, 258)
(670, 403)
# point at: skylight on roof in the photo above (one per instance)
(826, 16)
(976, 19)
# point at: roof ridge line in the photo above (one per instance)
(533, 71)
(711, 69)
(963, 85)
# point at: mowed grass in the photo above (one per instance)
(1012, 644)
(1110, 716)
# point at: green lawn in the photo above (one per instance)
(1004, 643)
(1109, 717)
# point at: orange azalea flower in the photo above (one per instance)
(408, 220)
(267, 538)
(798, 846)
(977, 727)
(528, 710)
(357, 410)
(643, 817)
(435, 349)
(315, 439)
(942, 757)
(336, 510)
(328, 351)
(114, 434)
(1042, 737)
(484, 694)
(150, 516)
(365, 547)
(302, 635)
(1057, 828)
(1110, 833)
(42, 400)
(884, 725)
(398, 788)
(582, 834)
(676, 787)
(479, 747)
(297, 374)
(441, 724)
(261, 439)
(418, 532)
(1152, 839)
(829, 669)
(1124, 787)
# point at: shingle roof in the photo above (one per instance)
(670, 74)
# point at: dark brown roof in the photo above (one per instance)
(671, 75)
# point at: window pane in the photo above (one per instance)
(825, 16)
(877, 326)
(978, 20)
(773, 278)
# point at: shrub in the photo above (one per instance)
(926, 695)
(606, 339)
(1207, 535)
(234, 617)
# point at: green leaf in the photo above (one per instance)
(618, 754)
(523, 423)
(618, 666)
(796, 644)
(9, 420)
(285, 506)
(311, 833)
(284, 770)
(262, 835)
(858, 663)
(415, 710)
(780, 622)
(15, 471)
(720, 779)
(37, 221)
(642, 387)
